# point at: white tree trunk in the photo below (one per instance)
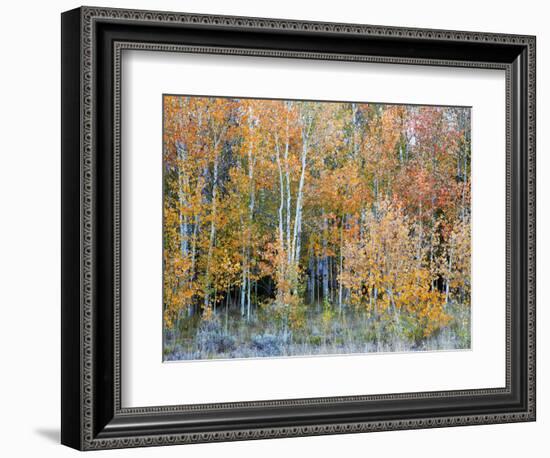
(243, 280)
(325, 260)
(299, 198)
(311, 278)
(182, 200)
(252, 201)
(212, 233)
(288, 194)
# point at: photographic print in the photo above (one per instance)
(336, 203)
(296, 228)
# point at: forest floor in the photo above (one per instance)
(230, 336)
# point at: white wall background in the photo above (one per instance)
(30, 228)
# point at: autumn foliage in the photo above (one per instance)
(294, 227)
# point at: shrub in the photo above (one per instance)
(267, 345)
(211, 338)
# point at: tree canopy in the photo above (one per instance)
(286, 218)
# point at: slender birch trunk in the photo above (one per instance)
(296, 238)
(212, 233)
(311, 278)
(449, 267)
(252, 201)
(194, 256)
(325, 260)
(183, 221)
(227, 300)
(243, 280)
(182, 200)
(288, 194)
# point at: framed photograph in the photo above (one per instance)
(276, 228)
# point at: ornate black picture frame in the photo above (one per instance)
(92, 42)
